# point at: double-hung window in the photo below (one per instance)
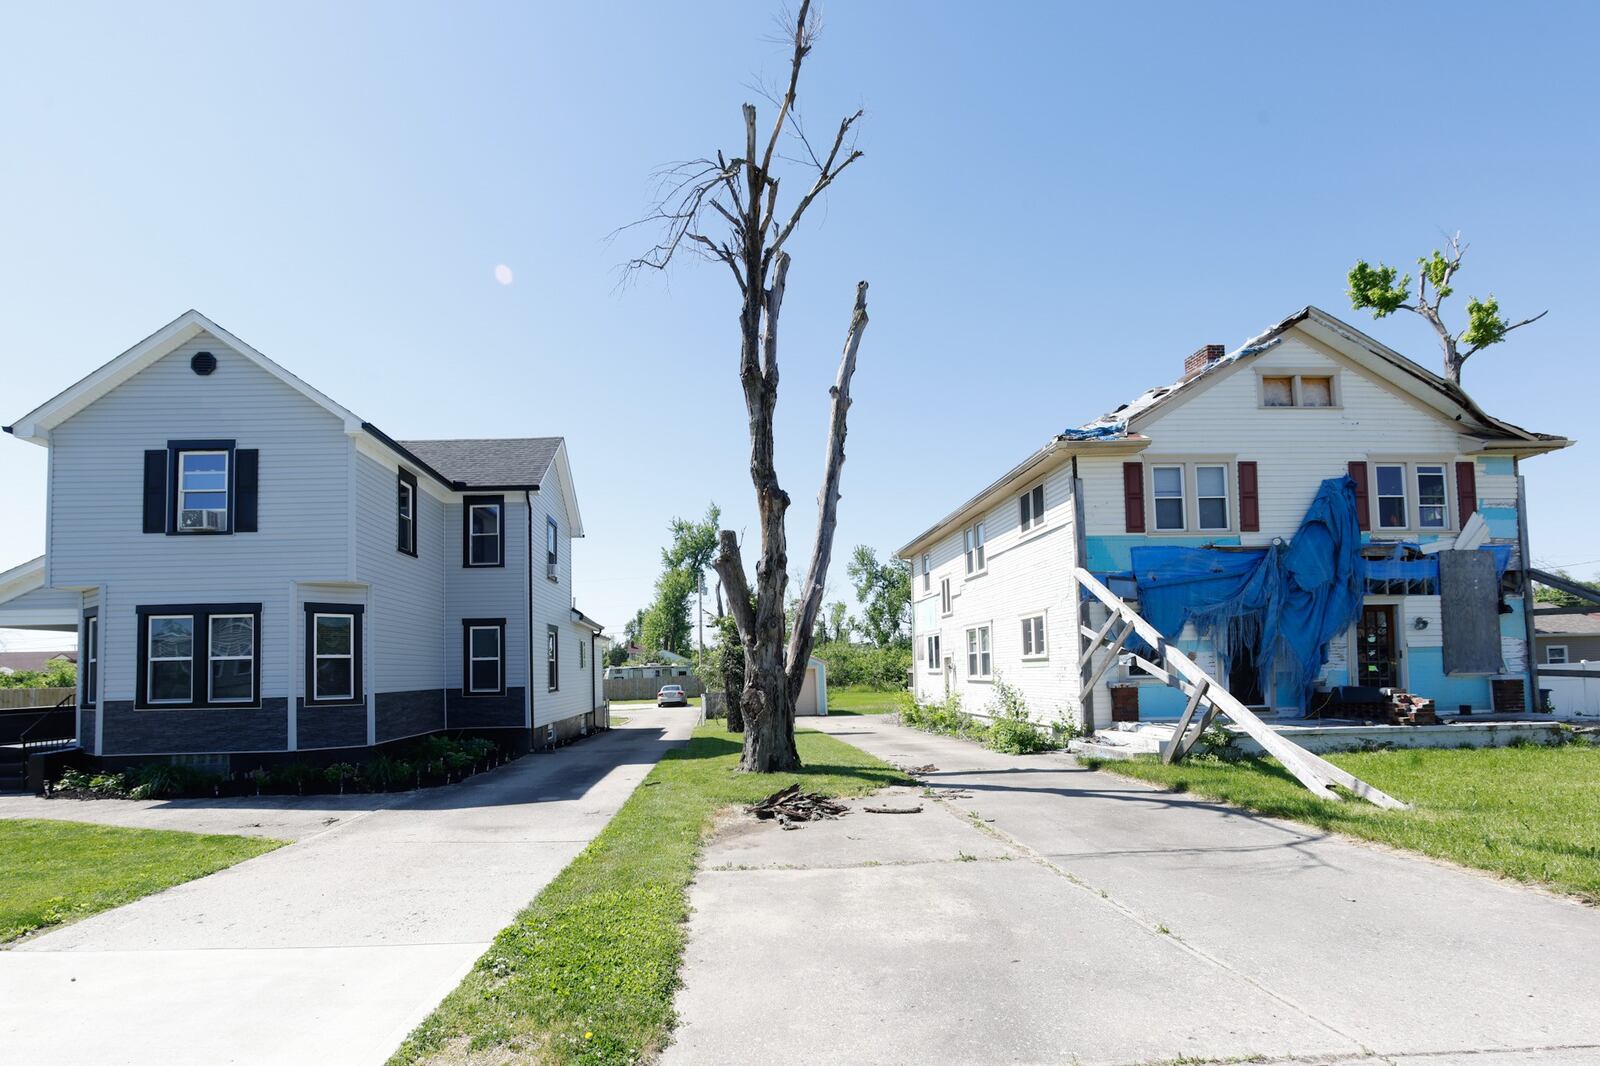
(552, 541)
(945, 605)
(203, 491)
(484, 643)
(484, 532)
(1167, 482)
(1033, 646)
(927, 569)
(196, 655)
(932, 642)
(980, 660)
(1030, 506)
(972, 540)
(1433, 509)
(333, 668)
(1392, 509)
(1556, 655)
(583, 653)
(1211, 495)
(406, 516)
(553, 659)
(91, 657)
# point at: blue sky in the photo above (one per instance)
(1056, 206)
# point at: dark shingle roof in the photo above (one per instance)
(1566, 624)
(503, 462)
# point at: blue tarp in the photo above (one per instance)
(1285, 601)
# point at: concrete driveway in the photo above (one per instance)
(1041, 913)
(329, 950)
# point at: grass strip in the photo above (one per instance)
(55, 872)
(1531, 814)
(587, 972)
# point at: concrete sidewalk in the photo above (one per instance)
(1040, 912)
(331, 949)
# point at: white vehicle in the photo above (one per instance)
(672, 695)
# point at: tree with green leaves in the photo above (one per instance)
(617, 654)
(1375, 289)
(666, 623)
(884, 592)
(693, 547)
(1551, 597)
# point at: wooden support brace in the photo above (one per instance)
(1111, 657)
(1173, 749)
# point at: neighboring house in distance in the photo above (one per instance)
(27, 662)
(257, 572)
(1567, 638)
(633, 670)
(1230, 457)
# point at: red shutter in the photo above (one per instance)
(1249, 499)
(1133, 496)
(1358, 474)
(1466, 491)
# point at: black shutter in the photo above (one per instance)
(155, 490)
(246, 465)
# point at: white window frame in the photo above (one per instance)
(1550, 655)
(552, 664)
(1226, 498)
(408, 514)
(1444, 494)
(151, 658)
(583, 654)
(1378, 496)
(499, 534)
(1031, 509)
(498, 658)
(947, 602)
(927, 572)
(1035, 639)
(212, 657)
(1182, 498)
(935, 653)
(980, 647)
(222, 525)
(317, 655)
(974, 547)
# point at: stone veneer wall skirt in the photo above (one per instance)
(329, 727)
(406, 714)
(211, 729)
(479, 712)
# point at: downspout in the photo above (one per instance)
(1531, 658)
(527, 499)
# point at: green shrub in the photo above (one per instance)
(55, 675)
(862, 664)
(386, 774)
(338, 774)
(163, 781)
(1012, 730)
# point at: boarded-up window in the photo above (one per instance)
(1469, 609)
(1316, 392)
(1277, 392)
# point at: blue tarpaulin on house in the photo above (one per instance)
(1283, 601)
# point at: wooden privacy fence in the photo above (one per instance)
(22, 699)
(645, 688)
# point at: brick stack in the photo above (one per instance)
(1407, 709)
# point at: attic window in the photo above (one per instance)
(203, 363)
(1277, 392)
(1297, 390)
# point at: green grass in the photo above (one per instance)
(1529, 813)
(53, 872)
(587, 972)
(858, 699)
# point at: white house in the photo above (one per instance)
(254, 571)
(1228, 459)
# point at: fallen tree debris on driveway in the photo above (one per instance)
(922, 771)
(790, 805)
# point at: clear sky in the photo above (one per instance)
(1058, 203)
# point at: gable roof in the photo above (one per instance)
(1571, 625)
(496, 462)
(1119, 429)
(519, 463)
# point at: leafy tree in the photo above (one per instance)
(1374, 288)
(60, 674)
(666, 623)
(693, 547)
(721, 668)
(884, 591)
(633, 631)
(617, 654)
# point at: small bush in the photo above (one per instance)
(161, 781)
(1012, 730)
(384, 774)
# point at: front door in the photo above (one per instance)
(1377, 647)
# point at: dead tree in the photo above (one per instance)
(726, 210)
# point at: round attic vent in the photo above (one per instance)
(203, 363)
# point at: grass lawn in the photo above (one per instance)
(54, 872)
(587, 972)
(1531, 814)
(857, 699)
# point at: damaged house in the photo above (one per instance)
(1319, 523)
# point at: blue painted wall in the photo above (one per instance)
(1112, 552)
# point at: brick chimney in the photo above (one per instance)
(1202, 358)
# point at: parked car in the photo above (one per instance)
(672, 695)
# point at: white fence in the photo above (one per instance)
(1573, 696)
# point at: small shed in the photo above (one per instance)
(813, 698)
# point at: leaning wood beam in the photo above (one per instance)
(1564, 584)
(1170, 750)
(1097, 636)
(1186, 743)
(1111, 657)
(1313, 772)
